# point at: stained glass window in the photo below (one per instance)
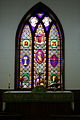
(39, 50)
(39, 56)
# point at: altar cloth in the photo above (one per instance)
(29, 96)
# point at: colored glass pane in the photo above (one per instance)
(54, 55)
(54, 60)
(25, 58)
(54, 43)
(26, 34)
(46, 21)
(33, 21)
(40, 14)
(26, 43)
(39, 56)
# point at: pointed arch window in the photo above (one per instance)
(39, 54)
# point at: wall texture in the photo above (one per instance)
(68, 12)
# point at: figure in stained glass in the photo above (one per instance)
(39, 56)
(40, 35)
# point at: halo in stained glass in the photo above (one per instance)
(54, 60)
(54, 78)
(54, 82)
(25, 60)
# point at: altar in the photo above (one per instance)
(49, 101)
(29, 96)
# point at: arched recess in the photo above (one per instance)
(39, 52)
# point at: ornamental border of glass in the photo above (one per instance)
(41, 54)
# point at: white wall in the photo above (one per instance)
(68, 12)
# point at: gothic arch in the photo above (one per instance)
(39, 52)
